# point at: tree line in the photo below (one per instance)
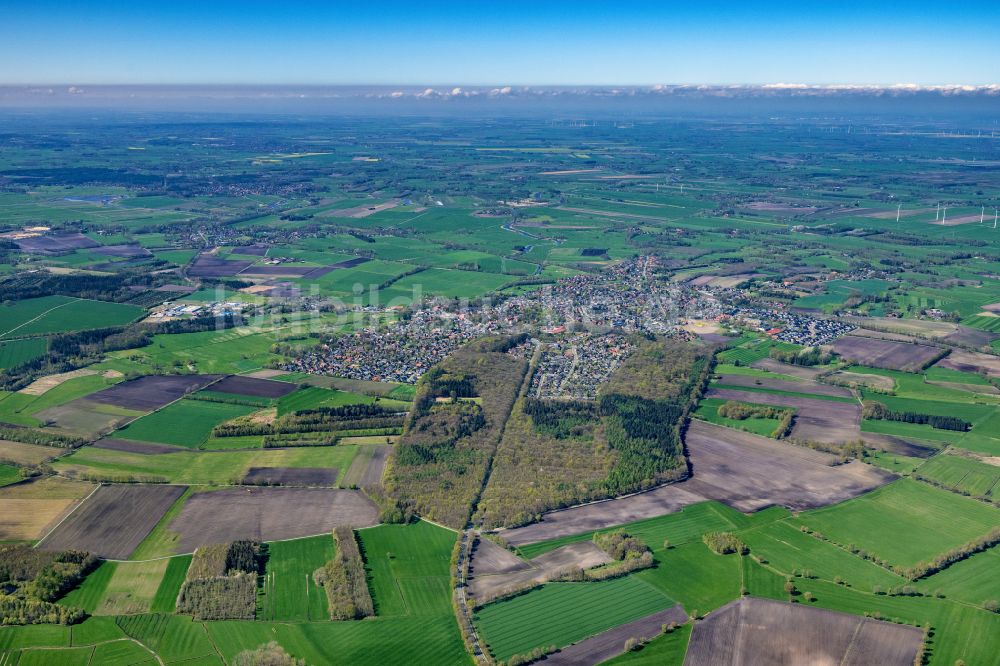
(344, 579)
(877, 410)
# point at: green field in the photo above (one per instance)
(200, 467)
(90, 593)
(905, 522)
(165, 599)
(313, 397)
(973, 580)
(233, 350)
(838, 291)
(983, 323)
(289, 593)
(9, 474)
(407, 563)
(132, 587)
(563, 613)
(708, 409)
(685, 525)
(56, 314)
(22, 408)
(963, 475)
(16, 352)
(185, 423)
(443, 282)
(693, 575)
(666, 650)
(787, 548)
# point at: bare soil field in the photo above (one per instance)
(884, 335)
(127, 251)
(800, 371)
(545, 567)
(353, 385)
(971, 388)
(291, 476)
(251, 250)
(279, 270)
(955, 334)
(114, 520)
(80, 418)
(490, 559)
(206, 265)
(253, 387)
(955, 221)
(751, 631)
(970, 337)
(150, 392)
(885, 353)
(610, 643)
(55, 243)
(266, 373)
(891, 214)
(749, 472)
(371, 477)
(263, 514)
(967, 361)
(135, 446)
(745, 471)
(875, 381)
(784, 385)
(27, 454)
(28, 510)
(722, 281)
(45, 384)
(176, 289)
(815, 419)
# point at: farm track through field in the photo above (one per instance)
(5, 334)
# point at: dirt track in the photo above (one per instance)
(751, 631)
(745, 471)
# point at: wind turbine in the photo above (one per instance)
(994, 218)
(982, 212)
(937, 215)
(944, 217)
(898, 208)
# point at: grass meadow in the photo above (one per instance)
(904, 523)
(58, 314)
(563, 613)
(186, 423)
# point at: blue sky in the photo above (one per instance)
(499, 42)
